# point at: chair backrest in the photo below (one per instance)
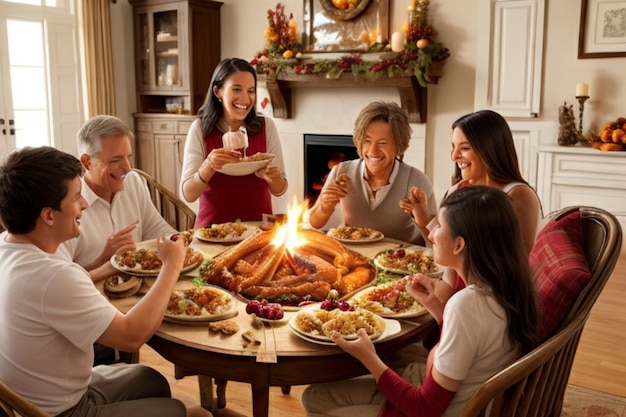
(172, 208)
(13, 405)
(534, 385)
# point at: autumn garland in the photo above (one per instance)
(422, 56)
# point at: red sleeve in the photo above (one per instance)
(459, 284)
(404, 399)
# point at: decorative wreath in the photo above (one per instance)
(350, 13)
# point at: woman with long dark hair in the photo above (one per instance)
(228, 128)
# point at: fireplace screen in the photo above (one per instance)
(321, 153)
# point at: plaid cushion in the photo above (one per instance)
(560, 269)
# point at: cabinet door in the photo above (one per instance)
(160, 48)
(144, 143)
(169, 156)
(510, 57)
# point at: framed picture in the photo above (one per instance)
(602, 29)
(344, 25)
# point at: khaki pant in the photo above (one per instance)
(124, 390)
(356, 397)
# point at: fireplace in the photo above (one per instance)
(321, 153)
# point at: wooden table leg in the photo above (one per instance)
(285, 389)
(220, 387)
(205, 384)
(260, 384)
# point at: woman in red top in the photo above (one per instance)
(227, 126)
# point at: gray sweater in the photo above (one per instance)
(387, 217)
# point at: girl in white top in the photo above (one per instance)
(487, 324)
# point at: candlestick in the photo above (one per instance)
(410, 10)
(582, 90)
(581, 108)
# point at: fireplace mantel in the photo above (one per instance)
(412, 95)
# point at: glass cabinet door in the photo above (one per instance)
(158, 54)
(166, 49)
(144, 51)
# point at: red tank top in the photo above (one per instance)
(228, 198)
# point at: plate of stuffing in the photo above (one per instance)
(148, 262)
(409, 260)
(200, 305)
(349, 234)
(247, 165)
(316, 325)
(230, 232)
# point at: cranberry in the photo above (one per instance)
(253, 307)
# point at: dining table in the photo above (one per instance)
(280, 357)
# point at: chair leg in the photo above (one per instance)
(285, 389)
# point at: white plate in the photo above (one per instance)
(376, 236)
(392, 327)
(244, 168)
(247, 233)
(152, 272)
(324, 338)
(418, 309)
(231, 312)
(408, 249)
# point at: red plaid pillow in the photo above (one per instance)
(560, 269)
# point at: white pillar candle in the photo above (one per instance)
(397, 41)
(582, 90)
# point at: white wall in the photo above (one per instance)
(243, 22)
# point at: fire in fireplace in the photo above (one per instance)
(321, 154)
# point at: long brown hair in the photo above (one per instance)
(496, 256)
(490, 136)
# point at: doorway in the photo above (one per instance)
(39, 74)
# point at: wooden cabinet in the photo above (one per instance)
(160, 142)
(582, 176)
(177, 47)
(510, 56)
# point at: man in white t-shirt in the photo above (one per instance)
(52, 313)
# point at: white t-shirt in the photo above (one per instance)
(51, 314)
(474, 342)
(101, 219)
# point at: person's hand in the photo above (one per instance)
(362, 348)
(334, 191)
(120, 241)
(269, 173)
(460, 184)
(416, 204)
(235, 140)
(172, 252)
(221, 156)
(422, 288)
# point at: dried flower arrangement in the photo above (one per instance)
(422, 56)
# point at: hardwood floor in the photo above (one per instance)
(600, 362)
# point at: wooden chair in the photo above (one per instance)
(534, 385)
(13, 405)
(172, 208)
